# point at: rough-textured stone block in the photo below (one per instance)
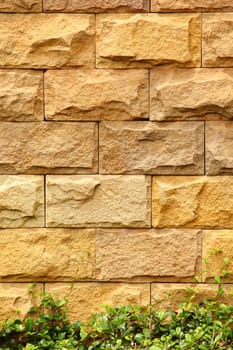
(21, 6)
(47, 254)
(95, 6)
(217, 246)
(191, 93)
(21, 95)
(45, 148)
(152, 148)
(21, 201)
(219, 145)
(85, 299)
(192, 201)
(147, 254)
(107, 201)
(147, 40)
(17, 298)
(191, 5)
(217, 40)
(46, 40)
(96, 94)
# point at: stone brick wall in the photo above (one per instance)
(116, 150)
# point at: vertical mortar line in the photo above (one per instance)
(45, 223)
(201, 41)
(44, 94)
(95, 41)
(42, 6)
(98, 146)
(149, 92)
(204, 140)
(150, 293)
(151, 217)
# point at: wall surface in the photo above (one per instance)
(116, 150)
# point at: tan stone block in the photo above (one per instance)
(178, 94)
(45, 148)
(219, 144)
(102, 201)
(21, 201)
(21, 6)
(46, 40)
(47, 254)
(152, 148)
(96, 5)
(147, 255)
(193, 201)
(217, 246)
(217, 40)
(17, 298)
(21, 95)
(85, 299)
(96, 94)
(148, 40)
(191, 5)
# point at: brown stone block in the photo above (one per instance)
(21, 5)
(46, 40)
(195, 202)
(85, 299)
(96, 94)
(219, 145)
(217, 40)
(21, 95)
(147, 254)
(21, 201)
(151, 148)
(182, 94)
(45, 148)
(148, 40)
(95, 6)
(47, 254)
(98, 201)
(191, 5)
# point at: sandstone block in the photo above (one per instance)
(219, 145)
(217, 40)
(178, 94)
(96, 94)
(147, 40)
(192, 201)
(96, 5)
(47, 254)
(217, 246)
(21, 201)
(21, 6)
(46, 40)
(191, 5)
(21, 95)
(108, 201)
(152, 148)
(16, 299)
(85, 299)
(44, 148)
(147, 254)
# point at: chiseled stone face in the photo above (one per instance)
(96, 94)
(147, 40)
(191, 5)
(217, 247)
(21, 95)
(21, 201)
(21, 6)
(85, 299)
(146, 254)
(16, 300)
(193, 201)
(96, 5)
(219, 145)
(108, 201)
(46, 40)
(178, 94)
(152, 148)
(45, 148)
(217, 40)
(47, 254)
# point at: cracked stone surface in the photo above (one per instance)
(21, 6)
(191, 5)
